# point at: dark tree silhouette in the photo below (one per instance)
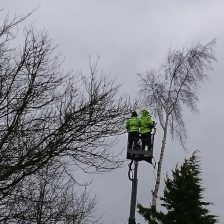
(49, 196)
(183, 198)
(46, 112)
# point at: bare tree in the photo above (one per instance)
(46, 112)
(168, 91)
(49, 196)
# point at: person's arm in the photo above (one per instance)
(127, 125)
(151, 122)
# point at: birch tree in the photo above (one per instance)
(168, 91)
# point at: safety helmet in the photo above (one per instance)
(134, 114)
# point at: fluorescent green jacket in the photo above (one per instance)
(133, 124)
(146, 122)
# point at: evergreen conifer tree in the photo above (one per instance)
(183, 198)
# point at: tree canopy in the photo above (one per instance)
(183, 198)
(46, 112)
(46, 115)
(171, 89)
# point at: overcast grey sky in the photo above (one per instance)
(132, 36)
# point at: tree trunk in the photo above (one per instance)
(159, 169)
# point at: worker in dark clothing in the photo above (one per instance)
(146, 125)
(132, 126)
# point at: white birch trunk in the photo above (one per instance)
(159, 169)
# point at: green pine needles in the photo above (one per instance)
(182, 198)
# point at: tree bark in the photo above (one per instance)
(159, 169)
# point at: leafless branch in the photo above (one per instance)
(46, 112)
(174, 88)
